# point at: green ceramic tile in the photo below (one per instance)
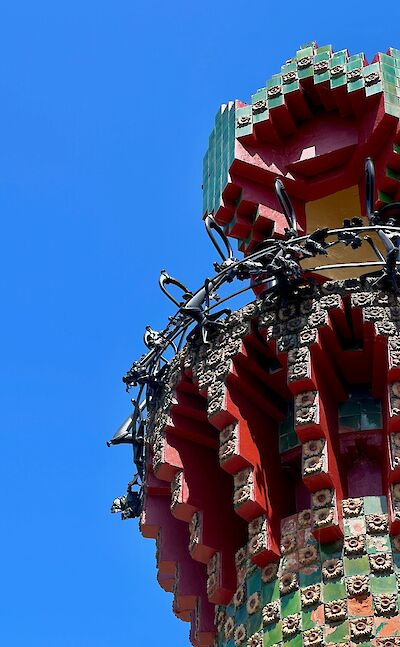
(254, 623)
(333, 591)
(390, 88)
(392, 108)
(276, 79)
(260, 116)
(321, 78)
(330, 551)
(289, 67)
(355, 61)
(303, 52)
(386, 59)
(322, 56)
(270, 592)
(253, 582)
(240, 131)
(290, 603)
(356, 565)
(306, 72)
(294, 642)
(260, 94)
(308, 617)
(334, 63)
(337, 633)
(388, 73)
(396, 561)
(310, 576)
(338, 81)
(375, 504)
(291, 87)
(241, 615)
(276, 101)
(374, 89)
(272, 634)
(355, 85)
(383, 584)
(373, 67)
(341, 56)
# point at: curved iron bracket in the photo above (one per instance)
(212, 225)
(124, 433)
(370, 189)
(378, 254)
(274, 264)
(166, 279)
(287, 206)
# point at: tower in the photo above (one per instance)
(267, 439)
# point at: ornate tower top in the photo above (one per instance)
(312, 126)
(267, 440)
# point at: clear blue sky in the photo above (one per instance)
(106, 108)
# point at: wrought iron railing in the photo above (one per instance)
(275, 266)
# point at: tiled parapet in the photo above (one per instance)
(345, 592)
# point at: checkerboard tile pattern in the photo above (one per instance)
(344, 593)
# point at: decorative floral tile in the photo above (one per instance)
(354, 526)
(332, 577)
(378, 544)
